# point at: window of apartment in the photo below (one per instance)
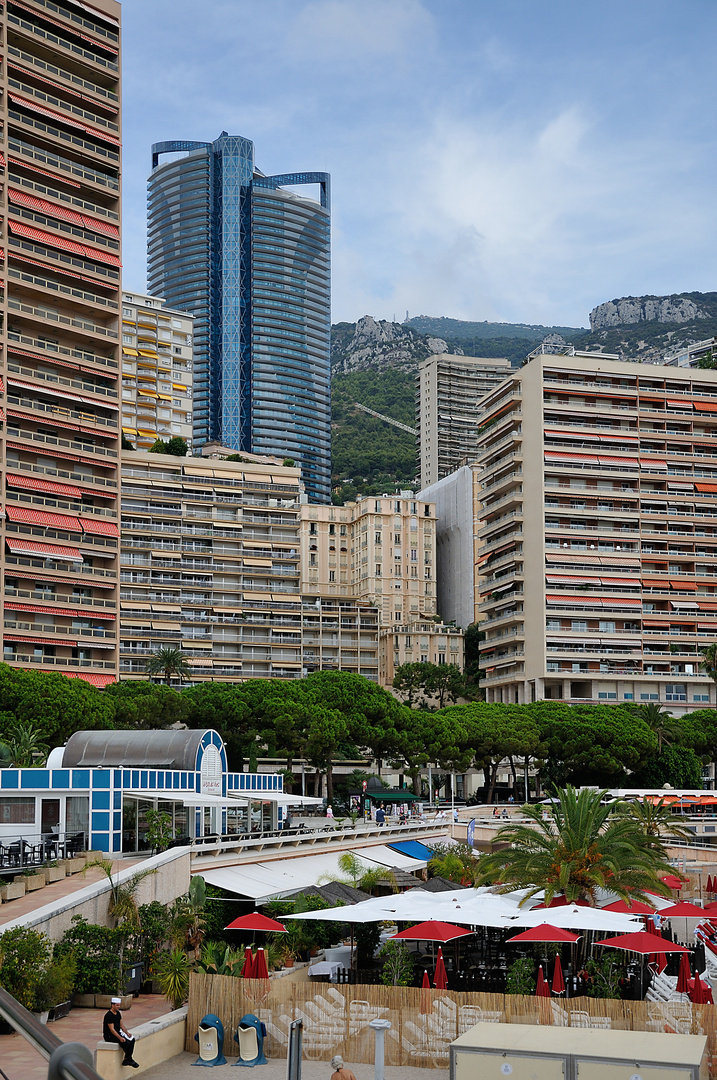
(397, 507)
(128, 312)
(408, 641)
(377, 538)
(649, 697)
(312, 560)
(700, 697)
(607, 627)
(426, 511)
(332, 575)
(414, 571)
(332, 530)
(414, 554)
(342, 530)
(377, 506)
(397, 538)
(312, 528)
(579, 624)
(378, 569)
(628, 697)
(441, 658)
(424, 658)
(675, 692)
(397, 615)
(606, 695)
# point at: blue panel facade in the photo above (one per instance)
(251, 261)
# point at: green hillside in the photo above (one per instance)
(368, 455)
(512, 340)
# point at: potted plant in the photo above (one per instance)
(173, 976)
(53, 991)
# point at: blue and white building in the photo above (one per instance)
(102, 783)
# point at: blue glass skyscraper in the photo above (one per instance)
(250, 259)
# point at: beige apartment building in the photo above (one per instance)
(448, 389)
(59, 328)
(598, 565)
(210, 563)
(340, 635)
(381, 551)
(156, 371)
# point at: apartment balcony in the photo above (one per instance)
(25, 659)
(512, 498)
(61, 631)
(55, 441)
(75, 324)
(59, 565)
(60, 598)
(500, 522)
(67, 76)
(503, 481)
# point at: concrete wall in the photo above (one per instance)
(453, 497)
(157, 1041)
(170, 881)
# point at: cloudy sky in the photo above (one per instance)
(517, 160)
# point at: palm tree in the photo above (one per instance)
(660, 722)
(576, 846)
(122, 906)
(189, 923)
(457, 864)
(657, 821)
(168, 662)
(363, 877)
(709, 664)
(22, 745)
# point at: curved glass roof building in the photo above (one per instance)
(250, 259)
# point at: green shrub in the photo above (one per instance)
(96, 950)
(24, 956)
(521, 977)
(396, 964)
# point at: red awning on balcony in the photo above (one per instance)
(42, 237)
(22, 198)
(95, 679)
(623, 461)
(54, 114)
(655, 583)
(64, 611)
(50, 452)
(705, 406)
(652, 622)
(620, 581)
(594, 601)
(36, 484)
(99, 528)
(562, 580)
(33, 547)
(25, 576)
(707, 607)
(42, 359)
(690, 586)
(558, 456)
(46, 421)
(61, 394)
(42, 517)
(710, 488)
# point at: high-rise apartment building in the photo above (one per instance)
(379, 549)
(156, 371)
(60, 360)
(250, 259)
(598, 565)
(448, 389)
(210, 564)
(339, 635)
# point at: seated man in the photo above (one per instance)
(112, 1031)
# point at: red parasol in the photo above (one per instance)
(433, 931)
(630, 907)
(542, 988)
(558, 980)
(710, 885)
(260, 971)
(652, 928)
(545, 932)
(672, 881)
(700, 992)
(642, 942)
(683, 975)
(248, 968)
(256, 921)
(425, 1006)
(440, 979)
(683, 910)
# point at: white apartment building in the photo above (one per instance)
(448, 389)
(459, 507)
(156, 371)
(598, 564)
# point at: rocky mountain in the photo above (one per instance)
(372, 343)
(647, 328)
(637, 309)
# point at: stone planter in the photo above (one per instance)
(73, 866)
(13, 890)
(84, 1001)
(103, 1001)
(42, 1016)
(33, 882)
(55, 873)
(59, 1012)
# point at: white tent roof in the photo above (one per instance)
(580, 918)
(279, 797)
(263, 880)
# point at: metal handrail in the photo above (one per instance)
(66, 1061)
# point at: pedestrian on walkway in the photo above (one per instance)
(340, 1071)
(112, 1031)
(380, 816)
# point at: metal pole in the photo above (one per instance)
(66, 1061)
(380, 1027)
(453, 800)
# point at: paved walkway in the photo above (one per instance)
(19, 1061)
(13, 909)
(180, 1068)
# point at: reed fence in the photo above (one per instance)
(423, 1022)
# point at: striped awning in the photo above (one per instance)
(42, 517)
(33, 547)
